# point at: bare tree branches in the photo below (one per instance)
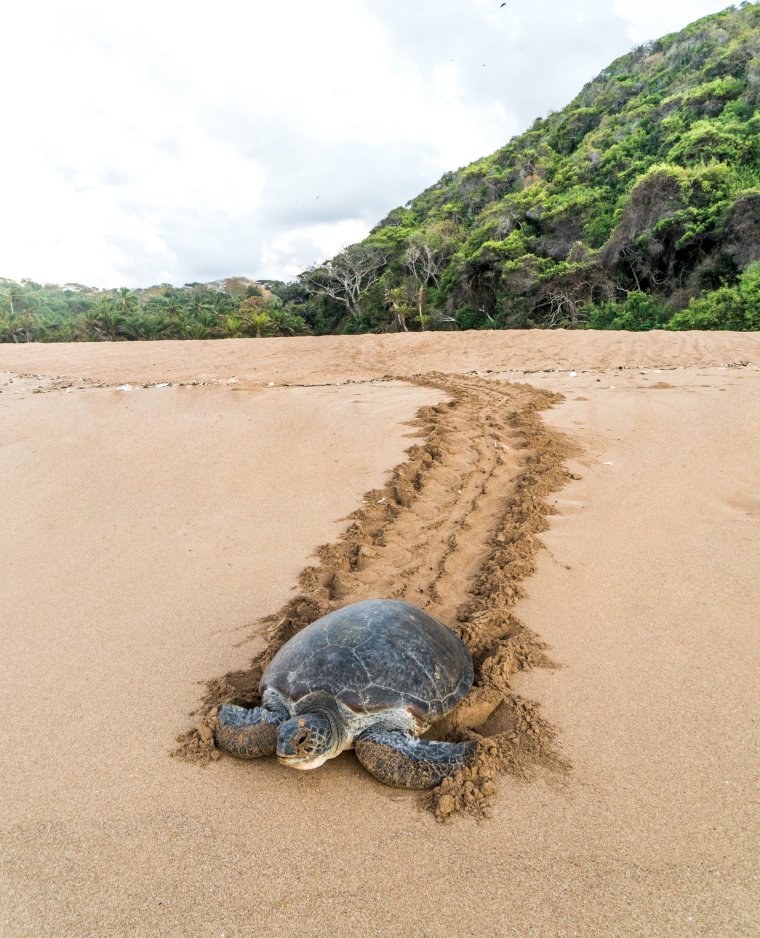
(425, 259)
(347, 276)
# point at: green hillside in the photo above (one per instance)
(637, 206)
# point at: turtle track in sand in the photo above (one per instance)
(454, 531)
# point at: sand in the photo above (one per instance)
(145, 532)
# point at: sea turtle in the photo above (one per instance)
(371, 677)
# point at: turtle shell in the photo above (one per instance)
(376, 655)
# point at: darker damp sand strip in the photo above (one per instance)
(455, 530)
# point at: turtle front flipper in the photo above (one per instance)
(247, 733)
(404, 761)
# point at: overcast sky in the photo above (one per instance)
(149, 142)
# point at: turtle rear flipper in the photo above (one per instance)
(404, 761)
(247, 734)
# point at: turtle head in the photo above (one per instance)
(307, 740)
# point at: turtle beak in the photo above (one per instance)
(296, 753)
(300, 763)
(301, 742)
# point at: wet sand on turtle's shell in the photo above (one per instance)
(131, 572)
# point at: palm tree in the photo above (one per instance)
(17, 323)
(12, 328)
(126, 302)
(107, 320)
(172, 306)
(112, 322)
(13, 297)
(234, 326)
(420, 297)
(144, 326)
(259, 322)
(397, 300)
(200, 305)
(196, 330)
(88, 325)
(223, 304)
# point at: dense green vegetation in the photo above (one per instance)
(34, 312)
(636, 207)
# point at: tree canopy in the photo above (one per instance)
(35, 312)
(637, 206)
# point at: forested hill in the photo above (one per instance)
(637, 206)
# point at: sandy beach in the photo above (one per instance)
(160, 499)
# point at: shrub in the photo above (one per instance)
(469, 318)
(735, 307)
(637, 313)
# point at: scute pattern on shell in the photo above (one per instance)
(376, 655)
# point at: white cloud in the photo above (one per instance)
(180, 141)
(285, 252)
(650, 19)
